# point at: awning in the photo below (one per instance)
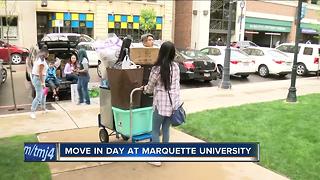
(308, 28)
(270, 25)
(309, 31)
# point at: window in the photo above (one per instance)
(278, 54)
(205, 51)
(307, 51)
(215, 52)
(287, 48)
(259, 52)
(235, 53)
(254, 52)
(314, 1)
(12, 25)
(248, 51)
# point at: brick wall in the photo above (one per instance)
(183, 23)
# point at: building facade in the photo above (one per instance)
(95, 18)
(269, 22)
(263, 22)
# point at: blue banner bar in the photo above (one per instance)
(161, 151)
(40, 152)
(248, 152)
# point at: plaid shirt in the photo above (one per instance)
(161, 99)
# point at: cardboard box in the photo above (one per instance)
(144, 55)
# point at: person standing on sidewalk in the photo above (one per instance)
(83, 77)
(39, 71)
(164, 78)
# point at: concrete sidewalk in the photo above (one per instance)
(141, 170)
(80, 124)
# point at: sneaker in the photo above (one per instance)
(33, 115)
(158, 164)
(56, 98)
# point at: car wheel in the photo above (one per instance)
(4, 75)
(16, 58)
(220, 71)
(263, 71)
(99, 72)
(301, 69)
(244, 76)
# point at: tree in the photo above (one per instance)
(9, 18)
(147, 20)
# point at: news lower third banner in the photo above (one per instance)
(236, 152)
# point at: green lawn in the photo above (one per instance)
(12, 165)
(289, 134)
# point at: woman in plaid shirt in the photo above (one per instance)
(164, 77)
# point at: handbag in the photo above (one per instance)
(178, 116)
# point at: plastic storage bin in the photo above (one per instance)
(141, 121)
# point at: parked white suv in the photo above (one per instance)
(308, 56)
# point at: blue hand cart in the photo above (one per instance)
(133, 124)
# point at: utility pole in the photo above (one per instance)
(226, 83)
(292, 96)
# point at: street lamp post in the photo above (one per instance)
(242, 4)
(292, 96)
(226, 84)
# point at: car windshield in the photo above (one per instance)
(253, 44)
(58, 38)
(277, 54)
(235, 53)
(86, 47)
(192, 54)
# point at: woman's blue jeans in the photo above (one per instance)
(40, 97)
(157, 122)
(83, 89)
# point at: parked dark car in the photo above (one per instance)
(17, 54)
(3, 73)
(62, 49)
(194, 65)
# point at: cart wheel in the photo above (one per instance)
(104, 136)
(125, 137)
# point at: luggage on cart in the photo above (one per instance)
(122, 82)
(106, 115)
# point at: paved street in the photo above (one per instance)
(23, 95)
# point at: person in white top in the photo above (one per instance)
(39, 71)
